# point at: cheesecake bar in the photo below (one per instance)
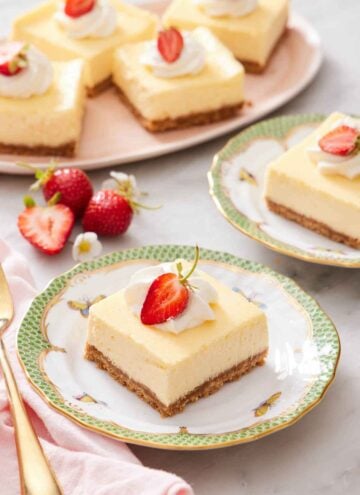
(317, 182)
(40, 26)
(46, 123)
(251, 37)
(169, 370)
(209, 92)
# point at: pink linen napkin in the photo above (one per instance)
(85, 463)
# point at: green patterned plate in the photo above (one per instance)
(304, 351)
(236, 184)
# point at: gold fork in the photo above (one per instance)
(36, 475)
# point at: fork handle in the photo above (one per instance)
(36, 475)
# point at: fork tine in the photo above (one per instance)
(6, 303)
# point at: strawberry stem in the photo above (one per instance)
(41, 175)
(135, 205)
(29, 202)
(184, 279)
(54, 199)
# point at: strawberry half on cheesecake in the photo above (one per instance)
(175, 334)
(317, 182)
(41, 103)
(179, 79)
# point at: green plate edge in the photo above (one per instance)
(31, 344)
(275, 128)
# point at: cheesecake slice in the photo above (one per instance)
(251, 37)
(204, 85)
(41, 27)
(41, 106)
(168, 368)
(317, 182)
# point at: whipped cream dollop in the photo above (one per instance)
(100, 22)
(329, 164)
(230, 8)
(198, 309)
(34, 79)
(191, 60)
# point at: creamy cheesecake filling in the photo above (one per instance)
(231, 8)
(50, 120)
(170, 383)
(219, 84)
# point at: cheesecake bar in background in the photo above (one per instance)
(250, 29)
(88, 30)
(179, 79)
(317, 182)
(41, 102)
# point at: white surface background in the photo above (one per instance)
(321, 453)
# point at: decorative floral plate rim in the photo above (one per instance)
(277, 128)
(32, 346)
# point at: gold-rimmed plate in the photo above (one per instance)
(236, 181)
(304, 352)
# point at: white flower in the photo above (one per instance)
(123, 183)
(86, 247)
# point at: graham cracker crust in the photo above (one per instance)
(99, 88)
(65, 150)
(311, 224)
(204, 390)
(189, 120)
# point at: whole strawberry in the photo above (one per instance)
(72, 186)
(108, 213)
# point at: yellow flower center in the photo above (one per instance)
(84, 246)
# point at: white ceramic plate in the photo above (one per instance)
(112, 135)
(304, 351)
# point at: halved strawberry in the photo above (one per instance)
(341, 141)
(167, 298)
(46, 228)
(168, 295)
(77, 8)
(170, 44)
(12, 58)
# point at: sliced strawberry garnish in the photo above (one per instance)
(341, 141)
(46, 228)
(167, 298)
(170, 44)
(77, 8)
(168, 295)
(12, 58)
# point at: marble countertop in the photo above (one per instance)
(321, 453)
